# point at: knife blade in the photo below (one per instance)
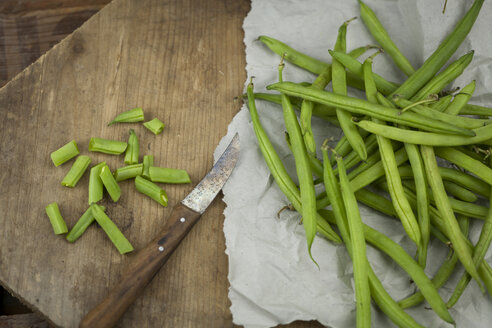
(150, 259)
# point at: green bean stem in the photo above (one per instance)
(152, 190)
(128, 172)
(130, 116)
(95, 184)
(117, 238)
(449, 220)
(110, 183)
(57, 222)
(133, 149)
(382, 37)
(461, 99)
(112, 147)
(65, 153)
(76, 171)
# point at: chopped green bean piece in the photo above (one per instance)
(152, 190)
(59, 225)
(155, 126)
(65, 153)
(132, 151)
(165, 175)
(82, 224)
(112, 147)
(130, 116)
(110, 183)
(148, 161)
(118, 239)
(95, 184)
(128, 172)
(76, 171)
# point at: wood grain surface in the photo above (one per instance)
(182, 61)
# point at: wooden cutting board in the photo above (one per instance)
(183, 62)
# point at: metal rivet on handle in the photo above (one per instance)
(182, 219)
(161, 249)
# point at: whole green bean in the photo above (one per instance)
(470, 109)
(449, 220)
(277, 169)
(358, 244)
(481, 170)
(375, 201)
(459, 192)
(461, 99)
(382, 37)
(441, 80)
(400, 203)
(343, 147)
(353, 158)
(363, 107)
(339, 85)
(442, 54)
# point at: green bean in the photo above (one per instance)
(343, 147)
(117, 238)
(400, 203)
(441, 55)
(375, 201)
(459, 192)
(304, 61)
(76, 171)
(426, 138)
(133, 149)
(470, 152)
(277, 169)
(106, 146)
(130, 116)
(155, 126)
(151, 189)
(441, 80)
(352, 159)
(167, 175)
(355, 67)
(148, 161)
(476, 167)
(128, 172)
(95, 184)
(441, 104)
(478, 256)
(371, 160)
(461, 99)
(65, 153)
(358, 244)
(56, 220)
(316, 165)
(303, 169)
(339, 85)
(449, 220)
(418, 171)
(381, 36)
(429, 113)
(110, 183)
(82, 224)
(442, 275)
(363, 107)
(470, 109)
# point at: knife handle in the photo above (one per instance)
(142, 269)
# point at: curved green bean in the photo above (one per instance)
(363, 107)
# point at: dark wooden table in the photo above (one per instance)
(182, 61)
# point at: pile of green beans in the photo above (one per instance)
(407, 151)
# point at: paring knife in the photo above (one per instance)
(150, 259)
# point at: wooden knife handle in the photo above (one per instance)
(142, 269)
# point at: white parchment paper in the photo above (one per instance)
(272, 279)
